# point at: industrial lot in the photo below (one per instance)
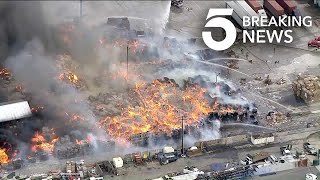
(129, 90)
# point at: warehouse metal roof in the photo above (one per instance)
(14, 110)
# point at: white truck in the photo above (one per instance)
(250, 159)
(238, 13)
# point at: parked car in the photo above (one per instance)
(317, 38)
(314, 43)
(310, 148)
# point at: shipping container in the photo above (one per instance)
(238, 13)
(273, 7)
(254, 4)
(288, 5)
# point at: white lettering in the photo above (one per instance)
(264, 21)
(282, 21)
(274, 35)
(255, 21)
(287, 34)
(246, 21)
(248, 35)
(273, 21)
(307, 21)
(260, 35)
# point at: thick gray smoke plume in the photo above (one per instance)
(28, 48)
(29, 42)
(20, 22)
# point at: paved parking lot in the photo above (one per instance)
(295, 174)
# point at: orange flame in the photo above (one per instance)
(161, 108)
(19, 88)
(4, 158)
(37, 109)
(41, 143)
(4, 72)
(70, 77)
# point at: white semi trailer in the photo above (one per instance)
(238, 13)
(245, 6)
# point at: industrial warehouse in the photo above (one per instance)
(132, 90)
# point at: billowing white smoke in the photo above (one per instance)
(180, 74)
(36, 70)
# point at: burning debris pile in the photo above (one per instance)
(44, 142)
(307, 88)
(70, 77)
(65, 148)
(68, 67)
(158, 107)
(6, 153)
(275, 118)
(5, 74)
(3, 156)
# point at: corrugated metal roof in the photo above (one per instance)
(14, 111)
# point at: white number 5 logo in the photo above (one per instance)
(220, 22)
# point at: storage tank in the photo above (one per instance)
(287, 5)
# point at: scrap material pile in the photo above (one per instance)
(275, 118)
(65, 148)
(67, 66)
(307, 88)
(5, 74)
(159, 106)
(6, 153)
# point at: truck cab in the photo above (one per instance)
(310, 148)
(248, 160)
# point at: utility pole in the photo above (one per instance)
(127, 62)
(80, 9)
(182, 133)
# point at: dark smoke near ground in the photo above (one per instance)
(28, 48)
(21, 22)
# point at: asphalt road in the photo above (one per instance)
(295, 174)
